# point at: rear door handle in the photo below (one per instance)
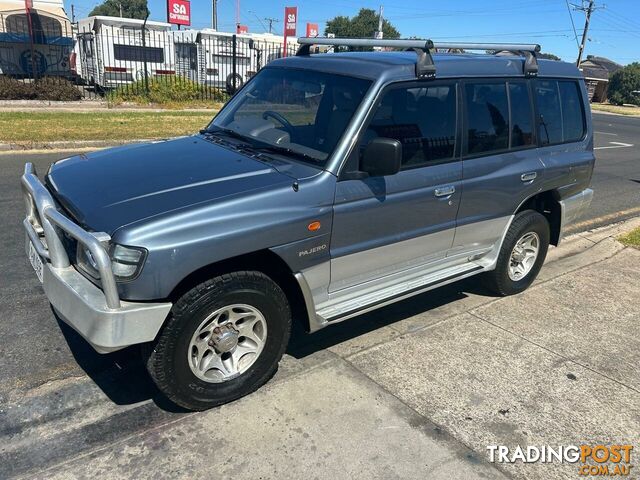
(445, 191)
(528, 177)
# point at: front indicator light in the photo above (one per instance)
(126, 262)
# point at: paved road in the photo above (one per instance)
(44, 374)
(616, 178)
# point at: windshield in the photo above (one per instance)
(298, 113)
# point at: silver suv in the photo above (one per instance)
(328, 186)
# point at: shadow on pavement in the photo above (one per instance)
(120, 375)
(123, 377)
(303, 344)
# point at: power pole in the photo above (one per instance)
(120, 9)
(237, 15)
(214, 15)
(588, 11)
(378, 34)
(73, 13)
(271, 22)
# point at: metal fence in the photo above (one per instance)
(128, 63)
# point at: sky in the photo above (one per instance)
(614, 31)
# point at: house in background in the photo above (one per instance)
(596, 72)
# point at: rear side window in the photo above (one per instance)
(572, 116)
(422, 119)
(560, 109)
(521, 115)
(487, 117)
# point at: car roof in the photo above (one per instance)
(401, 65)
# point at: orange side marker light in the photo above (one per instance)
(313, 226)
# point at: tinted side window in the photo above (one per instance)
(521, 115)
(423, 119)
(487, 117)
(572, 116)
(548, 101)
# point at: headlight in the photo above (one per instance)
(86, 262)
(126, 262)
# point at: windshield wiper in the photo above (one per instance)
(227, 131)
(256, 144)
(263, 146)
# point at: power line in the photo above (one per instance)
(631, 23)
(573, 25)
(271, 21)
(588, 9)
(617, 26)
(264, 27)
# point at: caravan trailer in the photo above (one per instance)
(43, 49)
(269, 46)
(219, 59)
(207, 56)
(114, 51)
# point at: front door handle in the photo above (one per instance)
(445, 191)
(528, 177)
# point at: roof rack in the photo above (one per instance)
(425, 68)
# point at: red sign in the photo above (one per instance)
(290, 21)
(179, 12)
(242, 29)
(312, 29)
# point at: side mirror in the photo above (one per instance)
(382, 156)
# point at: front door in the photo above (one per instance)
(384, 225)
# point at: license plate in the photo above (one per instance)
(36, 261)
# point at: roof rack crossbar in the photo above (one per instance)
(528, 50)
(425, 68)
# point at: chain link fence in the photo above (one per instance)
(138, 62)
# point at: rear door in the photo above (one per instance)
(384, 225)
(562, 133)
(501, 163)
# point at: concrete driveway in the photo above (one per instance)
(418, 389)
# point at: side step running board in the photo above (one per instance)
(351, 308)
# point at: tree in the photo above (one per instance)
(549, 56)
(623, 83)
(128, 8)
(363, 25)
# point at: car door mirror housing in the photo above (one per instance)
(382, 156)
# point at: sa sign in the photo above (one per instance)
(312, 29)
(290, 21)
(179, 12)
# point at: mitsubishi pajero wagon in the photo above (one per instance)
(330, 185)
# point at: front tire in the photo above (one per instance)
(223, 340)
(523, 252)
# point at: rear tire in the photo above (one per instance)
(523, 252)
(241, 321)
